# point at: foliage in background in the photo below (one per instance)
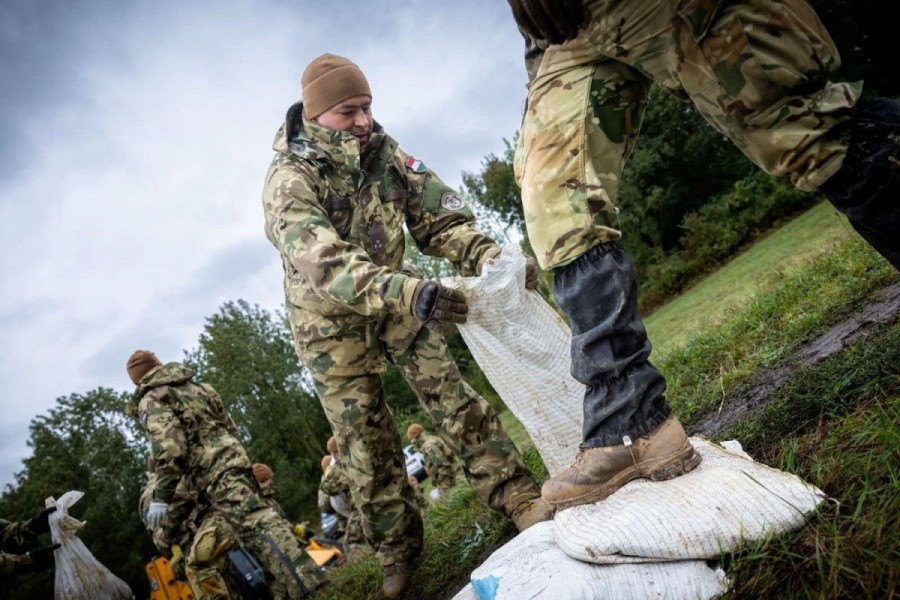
(86, 443)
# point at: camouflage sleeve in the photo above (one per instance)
(324, 502)
(170, 448)
(10, 563)
(16, 536)
(339, 271)
(333, 482)
(440, 221)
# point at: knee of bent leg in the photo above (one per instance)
(210, 547)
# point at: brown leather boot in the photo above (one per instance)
(529, 512)
(598, 472)
(396, 578)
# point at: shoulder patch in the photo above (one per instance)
(415, 165)
(451, 201)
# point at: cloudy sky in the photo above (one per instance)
(134, 137)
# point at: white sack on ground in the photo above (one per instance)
(522, 345)
(532, 566)
(79, 576)
(727, 501)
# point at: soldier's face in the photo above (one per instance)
(353, 115)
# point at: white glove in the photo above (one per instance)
(156, 513)
(435, 493)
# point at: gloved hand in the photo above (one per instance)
(531, 274)
(41, 558)
(555, 21)
(40, 523)
(438, 306)
(156, 513)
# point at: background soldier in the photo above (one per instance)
(194, 437)
(756, 70)
(19, 552)
(440, 462)
(336, 198)
(337, 487)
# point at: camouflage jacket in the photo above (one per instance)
(336, 486)
(337, 216)
(15, 540)
(440, 460)
(191, 433)
(183, 514)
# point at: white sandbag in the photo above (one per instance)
(522, 345)
(532, 566)
(727, 501)
(79, 576)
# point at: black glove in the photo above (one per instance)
(438, 306)
(531, 274)
(41, 558)
(555, 21)
(40, 523)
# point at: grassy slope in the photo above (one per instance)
(835, 424)
(780, 253)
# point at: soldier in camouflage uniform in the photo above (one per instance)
(756, 71)
(440, 462)
(193, 526)
(193, 437)
(336, 198)
(19, 552)
(336, 486)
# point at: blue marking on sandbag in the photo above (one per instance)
(486, 589)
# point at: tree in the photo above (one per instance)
(87, 443)
(247, 354)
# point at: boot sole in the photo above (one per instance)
(678, 463)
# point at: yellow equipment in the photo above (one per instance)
(163, 583)
(324, 555)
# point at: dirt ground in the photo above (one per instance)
(884, 308)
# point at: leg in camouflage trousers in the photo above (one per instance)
(368, 438)
(206, 559)
(236, 496)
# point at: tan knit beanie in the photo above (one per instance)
(139, 364)
(328, 80)
(262, 473)
(414, 431)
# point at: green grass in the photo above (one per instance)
(836, 424)
(778, 254)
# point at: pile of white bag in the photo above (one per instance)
(647, 540)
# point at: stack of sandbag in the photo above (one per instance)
(648, 539)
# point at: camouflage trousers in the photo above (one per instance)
(754, 69)
(370, 444)
(266, 534)
(206, 561)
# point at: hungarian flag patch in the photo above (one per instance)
(415, 165)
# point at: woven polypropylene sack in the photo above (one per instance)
(532, 566)
(522, 346)
(79, 576)
(729, 500)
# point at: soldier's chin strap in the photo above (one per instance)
(287, 564)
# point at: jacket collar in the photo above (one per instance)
(305, 139)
